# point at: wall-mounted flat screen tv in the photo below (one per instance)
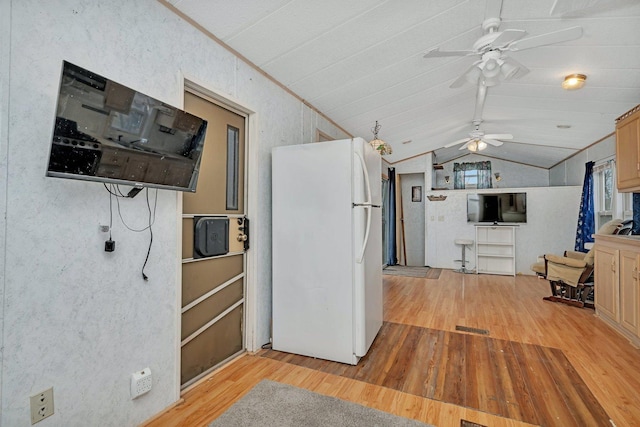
(497, 207)
(107, 132)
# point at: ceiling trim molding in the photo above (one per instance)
(459, 156)
(409, 158)
(541, 145)
(510, 161)
(207, 33)
(585, 148)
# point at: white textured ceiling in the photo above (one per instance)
(358, 61)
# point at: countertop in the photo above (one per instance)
(629, 240)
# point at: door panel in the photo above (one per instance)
(212, 179)
(629, 290)
(606, 282)
(200, 277)
(213, 287)
(198, 316)
(216, 344)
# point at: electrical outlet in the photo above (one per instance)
(141, 383)
(41, 405)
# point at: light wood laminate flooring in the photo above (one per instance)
(510, 308)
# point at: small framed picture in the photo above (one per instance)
(416, 193)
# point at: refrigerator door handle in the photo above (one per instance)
(367, 206)
(365, 172)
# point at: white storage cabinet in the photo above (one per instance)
(496, 249)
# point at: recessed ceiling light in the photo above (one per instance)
(574, 81)
(563, 126)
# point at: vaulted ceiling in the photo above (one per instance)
(359, 61)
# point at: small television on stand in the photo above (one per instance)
(497, 208)
(107, 132)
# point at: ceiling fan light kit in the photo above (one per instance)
(574, 81)
(475, 146)
(509, 70)
(492, 48)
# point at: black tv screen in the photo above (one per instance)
(107, 132)
(497, 207)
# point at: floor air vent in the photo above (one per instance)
(472, 330)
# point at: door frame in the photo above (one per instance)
(402, 240)
(193, 84)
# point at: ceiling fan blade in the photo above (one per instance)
(437, 53)
(493, 142)
(493, 9)
(459, 82)
(519, 70)
(471, 75)
(465, 145)
(587, 8)
(451, 144)
(562, 7)
(498, 136)
(507, 37)
(547, 39)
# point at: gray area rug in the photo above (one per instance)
(403, 270)
(271, 403)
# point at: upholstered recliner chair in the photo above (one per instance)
(570, 275)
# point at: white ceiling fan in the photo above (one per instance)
(494, 65)
(478, 140)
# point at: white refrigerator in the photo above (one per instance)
(327, 249)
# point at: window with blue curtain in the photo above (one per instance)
(472, 175)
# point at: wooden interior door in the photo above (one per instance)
(213, 260)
